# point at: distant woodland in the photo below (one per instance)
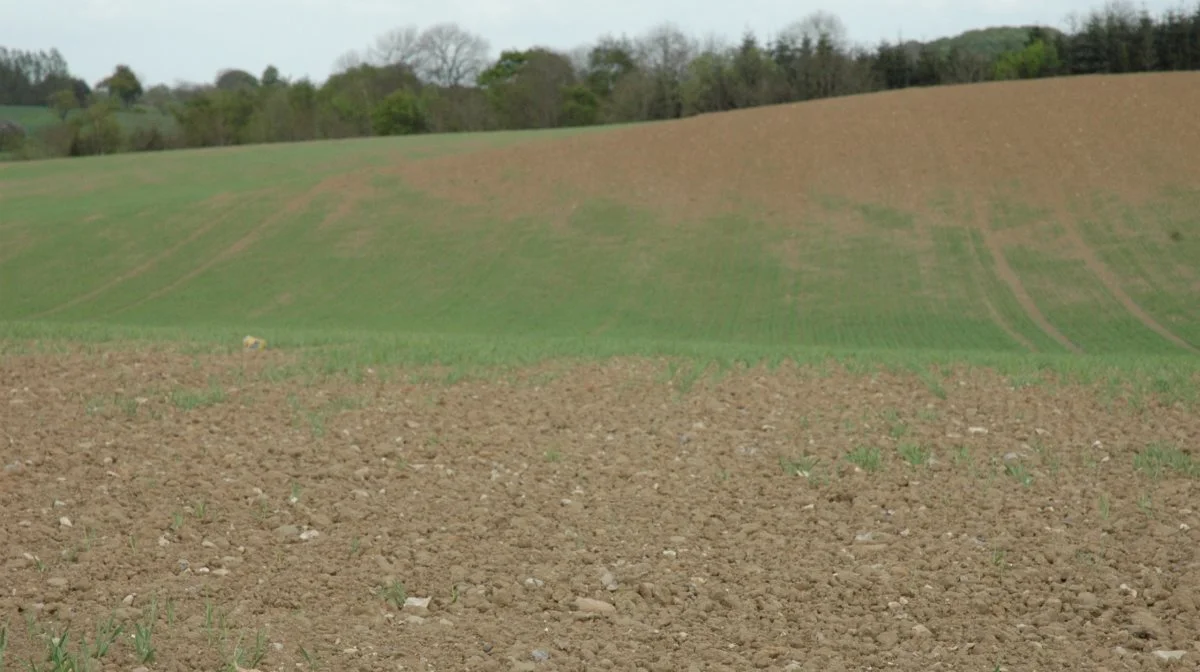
(445, 79)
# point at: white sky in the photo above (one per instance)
(166, 41)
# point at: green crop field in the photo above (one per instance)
(330, 244)
(28, 116)
(34, 118)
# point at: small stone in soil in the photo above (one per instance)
(608, 581)
(418, 604)
(590, 606)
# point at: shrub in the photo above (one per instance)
(401, 113)
(12, 136)
(152, 139)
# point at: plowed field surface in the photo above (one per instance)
(590, 517)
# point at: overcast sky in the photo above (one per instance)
(166, 41)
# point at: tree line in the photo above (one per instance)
(442, 79)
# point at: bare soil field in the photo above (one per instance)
(1049, 143)
(590, 517)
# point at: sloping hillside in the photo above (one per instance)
(1049, 216)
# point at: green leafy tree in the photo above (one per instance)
(270, 77)
(30, 77)
(96, 131)
(63, 102)
(607, 63)
(123, 84)
(1039, 59)
(234, 80)
(302, 103)
(215, 118)
(750, 74)
(273, 119)
(581, 106)
(892, 66)
(349, 98)
(160, 97)
(710, 85)
(929, 67)
(793, 55)
(401, 113)
(200, 121)
(237, 107)
(526, 88)
(83, 92)
(459, 109)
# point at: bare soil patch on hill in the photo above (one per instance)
(1042, 142)
(591, 517)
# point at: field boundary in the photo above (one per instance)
(350, 349)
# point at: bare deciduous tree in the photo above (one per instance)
(961, 67)
(578, 56)
(451, 55)
(817, 25)
(347, 61)
(665, 52)
(399, 46)
(665, 49)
